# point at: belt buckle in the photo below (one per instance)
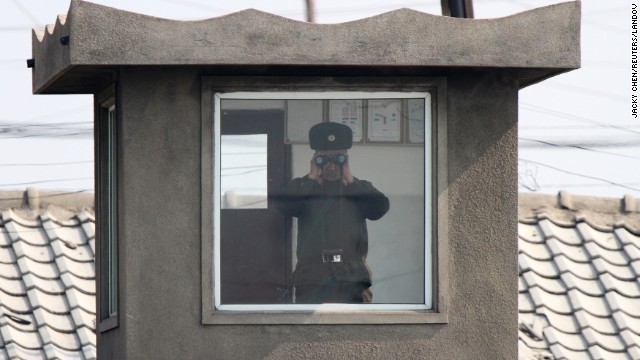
(332, 256)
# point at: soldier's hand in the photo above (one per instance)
(315, 173)
(347, 177)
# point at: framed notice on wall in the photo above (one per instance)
(347, 112)
(384, 120)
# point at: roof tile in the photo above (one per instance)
(84, 318)
(598, 352)
(614, 257)
(79, 253)
(626, 237)
(530, 233)
(50, 286)
(34, 252)
(7, 256)
(621, 272)
(621, 303)
(60, 322)
(90, 352)
(604, 325)
(592, 304)
(535, 251)
(630, 338)
(5, 239)
(609, 342)
(589, 287)
(87, 336)
(557, 303)
(552, 286)
(65, 341)
(581, 270)
(43, 270)
(522, 286)
(81, 300)
(632, 252)
(33, 235)
(634, 352)
(542, 268)
(17, 304)
(562, 353)
(87, 286)
(12, 287)
(82, 270)
(575, 253)
(625, 321)
(26, 339)
(10, 271)
(56, 304)
(605, 239)
(525, 303)
(21, 322)
(626, 288)
(16, 351)
(568, 236)
(573, 342)
(54, 352)
(564, 323)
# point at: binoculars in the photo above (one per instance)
(322, 160)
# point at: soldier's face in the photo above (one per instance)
(331, 169)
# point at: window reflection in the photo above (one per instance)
(243, 183)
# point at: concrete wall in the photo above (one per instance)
(160, 308)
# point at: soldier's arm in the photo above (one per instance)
(372, 203)
(291, 199)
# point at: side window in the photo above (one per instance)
(107, 208)
(323, 202)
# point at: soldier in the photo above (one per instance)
(332, 207)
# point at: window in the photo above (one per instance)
(345, 221)
(107, 209)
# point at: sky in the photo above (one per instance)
(576, 130)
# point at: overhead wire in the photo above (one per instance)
(579, 148)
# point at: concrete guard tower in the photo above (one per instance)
(188, 269)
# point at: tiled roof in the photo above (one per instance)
(579, 285)
(47, 282)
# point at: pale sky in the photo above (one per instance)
(576, 130)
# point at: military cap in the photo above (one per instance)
(330, 136)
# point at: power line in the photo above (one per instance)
(574, 117)
(47, 181)
(580, 175)
(50, 164)
(26, 12)
(579, 147)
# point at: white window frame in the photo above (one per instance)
(325, 95)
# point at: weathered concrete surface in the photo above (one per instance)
(161, 243)
(540, 42)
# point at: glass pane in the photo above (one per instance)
(243, 171)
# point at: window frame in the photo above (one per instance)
(107, 228)
(321, 313)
